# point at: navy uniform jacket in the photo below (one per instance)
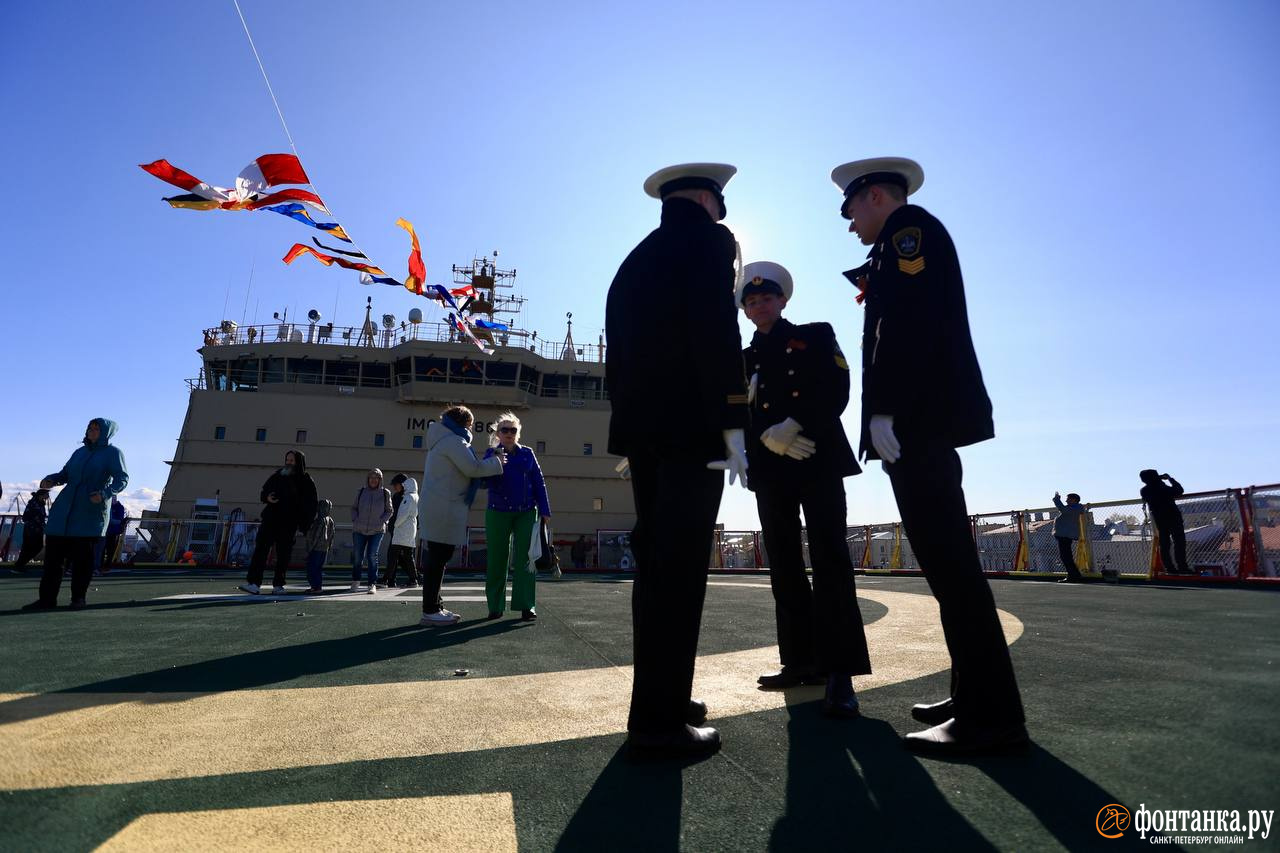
(918, 362)
(802, 375)
(674, 364)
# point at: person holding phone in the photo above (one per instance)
(517, 500)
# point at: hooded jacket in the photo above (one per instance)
(296, 497)
(95, 469)
(372, 507)
(320, 535)
(451, 464)
(405, 530)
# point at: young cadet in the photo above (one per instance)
(922, 397)
(679, 401)
(798, 457)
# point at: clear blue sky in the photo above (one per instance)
(1108, 172)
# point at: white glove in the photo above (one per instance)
(735, 446)
(883, 439)
(785, 439)
(624, 468)
(751, 388)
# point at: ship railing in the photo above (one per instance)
(1231, 534)
(384, 338)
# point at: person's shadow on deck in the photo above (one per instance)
(255, 669)
(852, 785)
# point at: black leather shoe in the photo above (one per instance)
(688, 742)
(840, 702)
(790, 676)
(493, 615)
(935, 714)
(697, 712)
(952, 738)
(77, 604)
(529, 615)
(1069, 579)
(38, 605)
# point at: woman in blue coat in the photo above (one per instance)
(516, 500)
(92, 477)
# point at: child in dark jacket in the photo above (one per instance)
(319, 541)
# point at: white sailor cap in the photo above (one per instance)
(852, 177)
(764, 277)
(689, 176)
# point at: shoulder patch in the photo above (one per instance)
(840, 359)
(907, 242)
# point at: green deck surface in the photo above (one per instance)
(1157, 695)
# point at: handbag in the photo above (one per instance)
(547, 557)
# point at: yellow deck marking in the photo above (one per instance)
(472, 822)
(101, 739)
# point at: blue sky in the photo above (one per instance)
(1107, 171)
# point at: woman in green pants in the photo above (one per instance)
(516, 501)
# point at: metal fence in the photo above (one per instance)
(1233, 533)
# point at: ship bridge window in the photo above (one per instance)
(428, 369)
(404, 371)
(375, 375)
(555, 385)
(500, 373)
(586, 388)
(306, 370)
(244, 374)
(272, 370)
(342, 373)
(216, 371)
(466, 370)
(529, 377)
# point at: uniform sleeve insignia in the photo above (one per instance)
(796, 343)
(911, 267)
(736, 400)
(907, 242)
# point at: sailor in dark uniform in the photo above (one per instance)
(922, 397)
(799, 457)
(679, 399)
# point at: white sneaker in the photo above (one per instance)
(373, 587)
(444, 617)
(355, 586)
(251, 588)
(278, 590)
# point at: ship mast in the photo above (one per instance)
(492, 296)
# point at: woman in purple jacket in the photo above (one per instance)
(516, 500)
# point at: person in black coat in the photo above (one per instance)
(289, 507)
(922, 397)
(799, 456)
(678, 394)
(33, 521)
(1161, 504)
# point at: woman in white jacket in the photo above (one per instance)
(404, 530)
(449, 484)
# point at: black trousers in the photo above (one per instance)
(281, 538)
(1172, 534)
(400, 557)
(109, 552)
(438, 554)
(676, 505)
(926, 484)
(1065, 546)
(818, 627)
(59, 552)
(31, 546)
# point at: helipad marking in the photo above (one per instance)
(130, 737)
(466, 822)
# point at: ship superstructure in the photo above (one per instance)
(360, 397)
